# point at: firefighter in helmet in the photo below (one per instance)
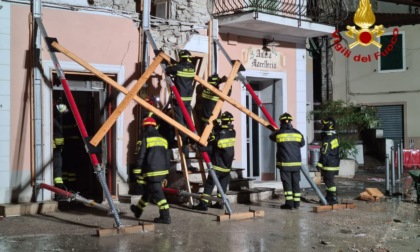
(59, 110)
(209, 99)
(153, 161)
(222, 148)
(183, 74)
(329, 162)
(288, 159)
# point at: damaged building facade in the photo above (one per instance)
(109, 35)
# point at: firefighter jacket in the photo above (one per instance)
(153, 156)
(183, 74)
(329, 160)
(58, 138)
(289, 141)
(223, 148)
(209, 100)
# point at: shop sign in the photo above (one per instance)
(257, 59)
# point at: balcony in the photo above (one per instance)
(290, 20)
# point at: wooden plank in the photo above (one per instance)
(218, 107)
(122, 89)
(234, 103)
(320, 209)
(106, 232)
(366, 196)
(374, 192)
(241, 216)
(126, 101)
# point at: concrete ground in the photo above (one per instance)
(392, 224)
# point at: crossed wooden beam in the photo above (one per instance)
(132, 95)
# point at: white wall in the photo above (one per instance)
(4, 101)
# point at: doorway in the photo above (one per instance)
(89, 94)
(260, 150)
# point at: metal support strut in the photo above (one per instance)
(93, 158)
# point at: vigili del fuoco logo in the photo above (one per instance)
(364, 18)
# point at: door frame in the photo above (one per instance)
(47, 91)
(276, 77)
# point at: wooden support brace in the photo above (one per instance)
(319, 209)
(218, 107)
(234, 103)
(126, 101)
(241, 216)
(106, 232)
(122, 89)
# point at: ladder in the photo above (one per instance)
(191, 126)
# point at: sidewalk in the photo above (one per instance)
(392, 224)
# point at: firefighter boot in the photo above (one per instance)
(137, 211)
(218, 205)
(296, 204)
(288, 205)
(58, 197)
(164, 217)
(202, 206)
(333, 198)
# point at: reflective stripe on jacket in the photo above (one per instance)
(289, 141)
(153, 156)
(330, 151)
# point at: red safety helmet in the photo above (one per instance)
(149, 121)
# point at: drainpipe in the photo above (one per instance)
(37, 102)
(145, 26)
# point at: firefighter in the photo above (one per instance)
(208, 100)
(289, 161)
(153, 161)
(222, 145)
(60, 109)
(183, 74)
(136, 187)
(329, 162)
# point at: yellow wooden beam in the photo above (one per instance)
(234, 103)
(218, 107)
(122, 89)
(125, 102)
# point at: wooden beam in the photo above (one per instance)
(234, 103)
(106, 232)
(218, 107)
(122, 89)
(241, 216)
(320, 209)
(125, 102)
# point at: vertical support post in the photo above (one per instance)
(401, 158)
(387, 192)
(399, 162)
(393, 169)
(37, 101)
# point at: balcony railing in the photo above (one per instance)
(329, 12)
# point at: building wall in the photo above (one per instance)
(5, 58)
(362, 83)
(101, 39)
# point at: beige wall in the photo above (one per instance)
(234, 46)
(98, 39)
(362, 83)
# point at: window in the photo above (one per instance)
(392, 52)
(160, 8)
